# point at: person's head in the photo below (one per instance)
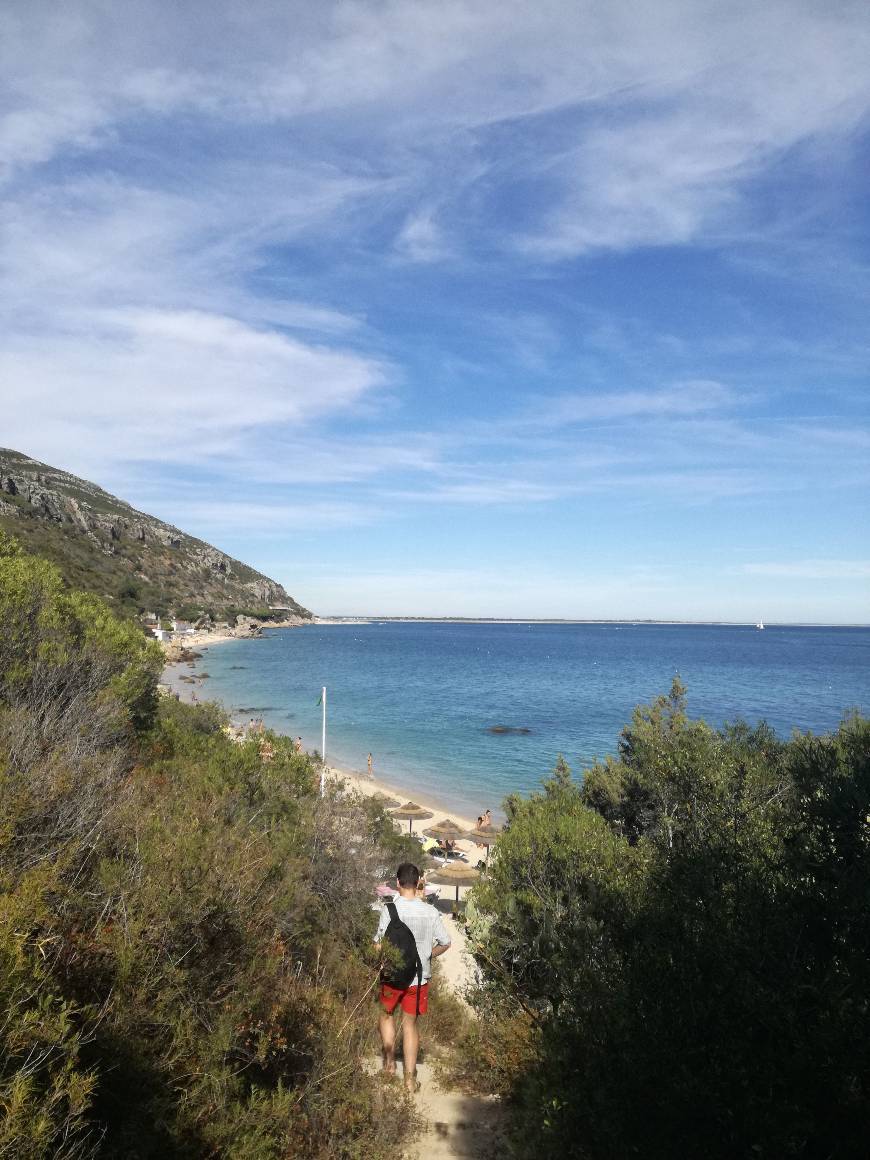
(408, 876)
(480, 819)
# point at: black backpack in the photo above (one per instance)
(402, 974)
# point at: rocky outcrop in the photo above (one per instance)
(151, 550)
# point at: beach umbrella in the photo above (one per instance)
(425, 862)
(411, 813)
(385, 802)
(454, 874)
(484, 836)
(445, 831)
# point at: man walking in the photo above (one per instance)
(432, 939)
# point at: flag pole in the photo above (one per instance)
(323, 742)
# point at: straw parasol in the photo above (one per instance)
(384, 801)
(411, 813)
(446, 830)
(484, 836)
(454, 874)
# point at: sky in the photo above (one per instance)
(455, 307)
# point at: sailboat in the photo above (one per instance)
(760, 624)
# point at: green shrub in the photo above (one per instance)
(685, 939)
(45, 1091)
(186, 965)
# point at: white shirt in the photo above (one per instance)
(425, 924)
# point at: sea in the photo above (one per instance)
(466, 713)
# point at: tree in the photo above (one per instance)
(688, 932)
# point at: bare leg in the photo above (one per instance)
(387, 1028)
(410, 1047)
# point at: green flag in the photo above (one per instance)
(319, 700)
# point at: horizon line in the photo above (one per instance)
(365, 618)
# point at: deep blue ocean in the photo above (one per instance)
(423, 697)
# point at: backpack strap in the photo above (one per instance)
(393, 913)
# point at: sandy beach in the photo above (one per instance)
(196, 689)
(203, 639)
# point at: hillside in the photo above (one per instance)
(103, 545)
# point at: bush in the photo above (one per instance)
(185, 940)
(680, 947)
(45, 1092)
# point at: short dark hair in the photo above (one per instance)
(408, 875)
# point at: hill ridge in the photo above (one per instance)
(105, 545)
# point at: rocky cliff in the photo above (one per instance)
(103, 545)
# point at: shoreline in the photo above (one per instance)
(459, 970)
(189, 692)
(204, 638)
(369, 786)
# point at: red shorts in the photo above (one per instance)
(391, 997)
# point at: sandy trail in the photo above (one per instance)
(456, 1124)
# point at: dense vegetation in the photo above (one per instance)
(185, 940)
(676, 952)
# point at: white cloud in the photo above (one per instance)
(812, 569)
(130, 326)
(633, 124)
(167, 385)
(421, 239)
(691, 397)
(264, 520)
(174, 173)
(506, 489)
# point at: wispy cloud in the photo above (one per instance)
(692, 397)
(811, 569)
(422, 239)
(266, 520)
(645, 125)
(390, 256)
(165, 385)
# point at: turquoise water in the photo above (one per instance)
(424, 697)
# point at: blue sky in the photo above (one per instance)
(466, 308)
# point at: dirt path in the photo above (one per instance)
(457, 1125)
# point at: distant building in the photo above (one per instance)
(182, 627)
